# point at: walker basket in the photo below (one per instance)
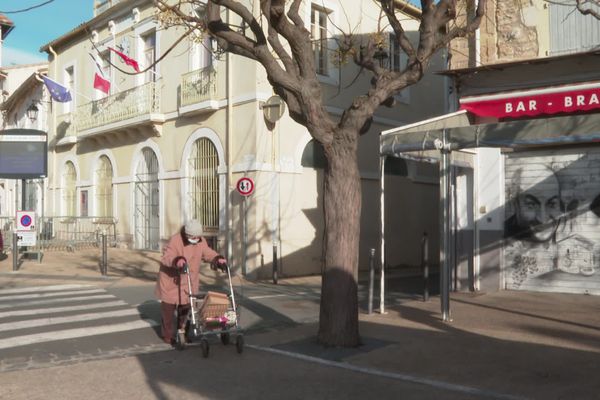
(215, 305)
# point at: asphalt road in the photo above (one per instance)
(57, 324)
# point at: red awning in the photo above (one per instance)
(566, 99)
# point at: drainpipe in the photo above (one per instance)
(228, 133)
(53, 119)
(477, 41)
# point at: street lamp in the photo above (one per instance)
(32, 112)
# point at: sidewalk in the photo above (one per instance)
(502, 345)
(83, 265)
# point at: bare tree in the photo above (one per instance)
(588, 7)
(277, 37)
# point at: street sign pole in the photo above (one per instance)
(245, 187)
(245, 232)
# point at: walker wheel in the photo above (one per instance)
(204, 346)
(239, 344)
(191, 334)
(225, 338)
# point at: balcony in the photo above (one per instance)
(65, 130)
(198, 91)
(129, 109)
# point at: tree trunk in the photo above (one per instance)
(338, 321)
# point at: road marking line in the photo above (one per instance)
(75, 333)
(36, 311)
(33, 323)
(51, 288)
(50, 301)
(402, 377)
(46, 295)
(266, 296)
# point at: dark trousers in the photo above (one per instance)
(167, 313)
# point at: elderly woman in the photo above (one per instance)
(185, 247)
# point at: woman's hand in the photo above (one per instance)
(219, 262)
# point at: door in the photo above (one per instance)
(147, 198)
(462, 218)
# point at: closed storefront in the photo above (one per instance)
(534, 127)
(552, 225)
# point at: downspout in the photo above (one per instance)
(53, 118)
(477, 41)
(228, 134)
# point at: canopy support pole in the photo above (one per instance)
(445, 229)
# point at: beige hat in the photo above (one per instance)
(194, 228)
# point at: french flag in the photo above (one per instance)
(126, 59)
(101, 82)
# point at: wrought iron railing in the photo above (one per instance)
(65, 233)
(199, 85)
(135, 102)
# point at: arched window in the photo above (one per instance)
(203, 184)
(104, 188)
(313, 156)
(69, 190)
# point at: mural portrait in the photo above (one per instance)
(551, 226)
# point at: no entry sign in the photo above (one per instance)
(245, 186)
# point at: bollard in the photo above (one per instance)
(425, 265)
(104, 262)
(275, 263)
(15, 252)
(371, 278)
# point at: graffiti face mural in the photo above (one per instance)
(551, 230)
(537, 204)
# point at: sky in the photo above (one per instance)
(39, 26)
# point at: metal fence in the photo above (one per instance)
(65, 233)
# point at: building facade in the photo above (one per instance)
(171, 143)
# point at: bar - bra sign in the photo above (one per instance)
(538, 104)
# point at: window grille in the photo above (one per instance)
(204, 184)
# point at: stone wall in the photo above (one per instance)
(508, 32)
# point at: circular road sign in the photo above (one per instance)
(273, 109)
(26, 220)
(245, 186)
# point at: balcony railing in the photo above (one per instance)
(197, 86)
(136, 102)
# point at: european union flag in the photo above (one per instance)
(57, 91)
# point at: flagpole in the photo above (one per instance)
(37, 75)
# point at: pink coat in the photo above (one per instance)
(171, 287)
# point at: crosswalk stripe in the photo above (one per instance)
(74, 333)
(54, 310)
(11, 326)
(51, 301)
(51, 288)
(46, 295)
